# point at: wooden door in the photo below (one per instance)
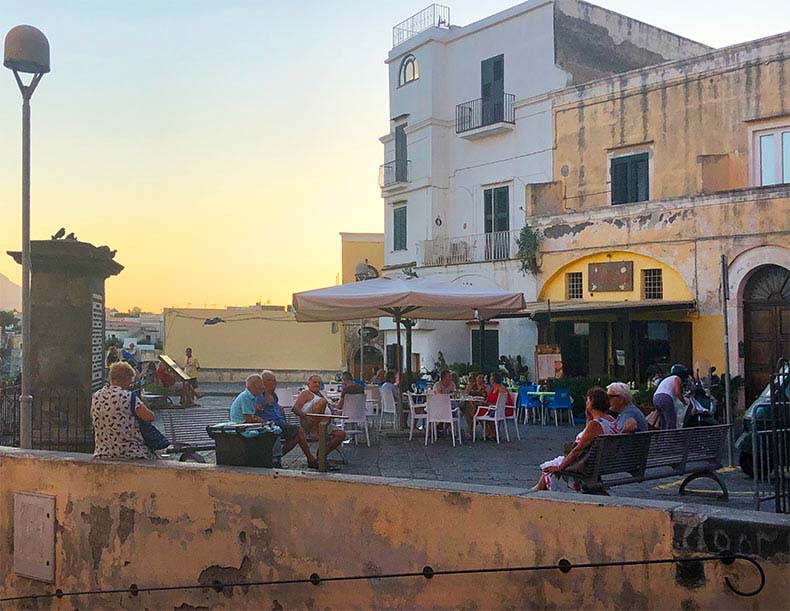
(766, 329)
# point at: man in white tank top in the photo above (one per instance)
(312, 401)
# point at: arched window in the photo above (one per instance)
(408, 70)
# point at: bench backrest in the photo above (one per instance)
(188, 426)
(674, 448)
(174, 366)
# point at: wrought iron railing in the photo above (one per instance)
(493, 246)
(61, 420)
(394, 172)
(485, 111)
(435, 16)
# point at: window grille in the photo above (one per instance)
(652, 284)
(575, 286)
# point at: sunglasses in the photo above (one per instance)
(613, 395)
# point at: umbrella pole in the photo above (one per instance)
(400, 372)
(482, 342)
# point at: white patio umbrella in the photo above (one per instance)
(404, 297)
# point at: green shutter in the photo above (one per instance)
(630, 179)
(399, 228)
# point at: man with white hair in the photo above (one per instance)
(630, 418)
(247, 408)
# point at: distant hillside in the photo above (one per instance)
(10, 295)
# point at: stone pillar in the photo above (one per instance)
(67, 337)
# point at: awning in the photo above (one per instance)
(537, 309)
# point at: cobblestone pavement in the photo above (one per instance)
(509, 464)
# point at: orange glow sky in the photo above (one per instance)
(221, 147)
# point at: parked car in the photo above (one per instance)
(758, 417)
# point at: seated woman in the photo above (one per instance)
(492, 394)
(599, 422)
(496, 388)
(389, 385)
(473, 389)
(115, 427)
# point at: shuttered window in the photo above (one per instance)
(630, 179)
(399, 228)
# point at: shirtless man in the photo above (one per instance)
(312, 401)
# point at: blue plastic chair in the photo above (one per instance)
(421, 385)
(561, 401)
(529, 403)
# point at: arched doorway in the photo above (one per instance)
(766, 314)
(374, 360)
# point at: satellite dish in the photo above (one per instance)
(368, 332)
(365, 271)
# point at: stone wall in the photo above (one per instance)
(167, 524)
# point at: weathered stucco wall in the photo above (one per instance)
(169, 524)
(694, 117)
(685, 234)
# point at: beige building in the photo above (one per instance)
(658, 172)
(357, 248)
(250, 339)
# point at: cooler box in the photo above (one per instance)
(244, 445)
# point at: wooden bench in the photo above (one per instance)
(615, 460)
(186, 430)
(187, 390)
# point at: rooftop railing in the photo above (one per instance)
(435, 16)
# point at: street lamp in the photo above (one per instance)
(26, 51)
(363, 271)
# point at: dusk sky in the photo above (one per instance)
(221, 146)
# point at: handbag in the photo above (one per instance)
(152, 436)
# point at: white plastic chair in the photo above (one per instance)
(414, 415)
(373, 394)
(354, 408)
(439, 410)
(492, 413)
(387, 406)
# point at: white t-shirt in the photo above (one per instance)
(667, 386)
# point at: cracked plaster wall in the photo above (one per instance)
(166, 524)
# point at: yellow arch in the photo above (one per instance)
(675, 288)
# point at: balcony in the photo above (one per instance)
(477, 248)
(485, 117)
(394, 175)
(435, 16)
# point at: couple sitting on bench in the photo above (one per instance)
(259, 403)
(608, 412)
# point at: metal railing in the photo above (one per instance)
(485, 111)
(494, 246)
(393, 173)
(771, 444)
(434, 16)
(61, 420)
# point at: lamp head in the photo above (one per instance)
(26, 50)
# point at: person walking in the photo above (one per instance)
(191, 366)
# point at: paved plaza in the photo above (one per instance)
(509, 464)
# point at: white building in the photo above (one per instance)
(470, 117)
